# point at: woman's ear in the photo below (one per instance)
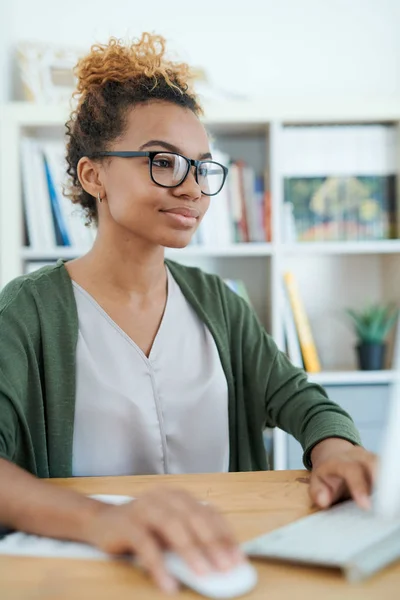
(90, 176)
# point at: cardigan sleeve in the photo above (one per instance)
(8, 429)
(289, 400)
(38, 335)
(10, 368)
(8, 415)
(16, 381)
(304, 409)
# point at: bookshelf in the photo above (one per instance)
(331, 275)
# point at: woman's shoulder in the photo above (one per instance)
(26, 289)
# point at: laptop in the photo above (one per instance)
(345, 537)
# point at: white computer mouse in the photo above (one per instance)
(215, 584)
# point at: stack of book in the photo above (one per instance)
(241, 212)
(51, 220)
(340, 183)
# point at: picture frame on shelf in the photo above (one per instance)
(47, 72)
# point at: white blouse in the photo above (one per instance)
(136, 415)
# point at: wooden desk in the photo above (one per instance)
(254, 503)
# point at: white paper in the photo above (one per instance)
(23, 544)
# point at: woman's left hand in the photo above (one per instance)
(340, 471)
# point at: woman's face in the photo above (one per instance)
(133, 202)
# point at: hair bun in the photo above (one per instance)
(119, 62)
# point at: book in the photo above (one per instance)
(244, 220)
(62, 236)
(260, 220)
(36, 201)
(306, 340)
(235, 206)
(267, 216)
(293, 349)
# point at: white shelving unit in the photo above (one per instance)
(331, 276)
(386, 376)
(361, 248)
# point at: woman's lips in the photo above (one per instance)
(185, 217)
(184, 211)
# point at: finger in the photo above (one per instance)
(205, 520)
(354, 477)
(210, 531)
(176, 535)
(368, 461)
(324, 489)
(357, 478)
(216, 537)
(166, 523)
(149, 556)
(177, 519)
(370, 464)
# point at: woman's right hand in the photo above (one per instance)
(163, 519)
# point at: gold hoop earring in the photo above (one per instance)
(98, 197)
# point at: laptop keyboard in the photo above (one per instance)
(329, 537)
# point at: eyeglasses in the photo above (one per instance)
(169, 169)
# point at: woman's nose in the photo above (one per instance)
(189, 187)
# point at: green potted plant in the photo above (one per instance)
(372, 326)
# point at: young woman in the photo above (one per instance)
(122, 363)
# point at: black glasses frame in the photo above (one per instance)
(153, 153)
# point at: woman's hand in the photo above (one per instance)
(165, 519)
(341, 470)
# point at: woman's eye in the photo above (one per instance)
(162, 163)
(203, 171)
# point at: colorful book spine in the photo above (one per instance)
(292, 339)
(244, 222)
(267, 216)
(59, 223)
(308, 348)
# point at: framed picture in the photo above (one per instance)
(47, 72)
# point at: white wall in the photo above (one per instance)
(281, 48)
(5, 45)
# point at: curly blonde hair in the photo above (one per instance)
(113, 78)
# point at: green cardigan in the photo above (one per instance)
(39, 331)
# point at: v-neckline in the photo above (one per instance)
(153, 352)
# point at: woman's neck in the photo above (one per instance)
(126, 266)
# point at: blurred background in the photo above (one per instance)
(287, 49)
(302, 102)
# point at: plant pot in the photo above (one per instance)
(371, 357)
